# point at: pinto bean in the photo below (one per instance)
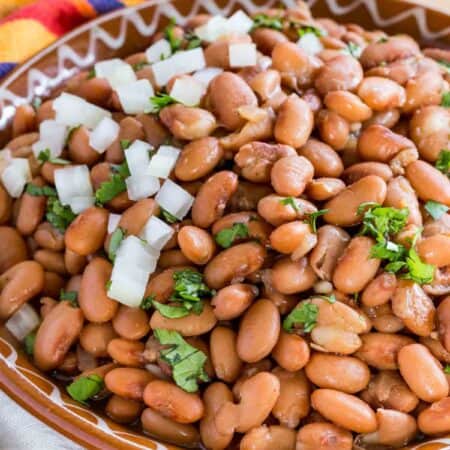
(342, 209)
(79, 149)
(326, 162)
(128, 382)
(266, 39)
(348, 105)
(13, 249)
(422, 372)
(57, 332)
(123, 410)
(231, 301)
(290, 277)
(381, 94)
(265, 438)
(135, 217)
(334, 129)
(291, 351)
(95, 337)
(130, 130)
(400, 194)
(380, 290)
(291, 174)
(225, 359)
(31, 210)
(323, 435)
(130, 323)
(435, 419)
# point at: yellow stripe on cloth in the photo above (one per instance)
(14, 45)
(8, 6)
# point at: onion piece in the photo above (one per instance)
(104, 134)
(310, 43)
(52, 135)
(182, 62)
(187, 90)
(116, 71)
(174, 199)
(22, 322)
(134, 251)
(212, 30)
(205, 76)
(242, 55)
(73, 111)
(163, 161)
(113, 222)
(239, 23)
(138, 158)
(141, 186)
(5, 159)
(158, 51)
(71, 182)
(80, 203)
(135, 97)
(15, 176)
(126, 290)
(157, 233)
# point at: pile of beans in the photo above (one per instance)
(267, 148)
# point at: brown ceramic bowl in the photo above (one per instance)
(118, 34)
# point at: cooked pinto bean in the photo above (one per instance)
(326, 162)
(291, 174)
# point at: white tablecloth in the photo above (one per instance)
(19, 430)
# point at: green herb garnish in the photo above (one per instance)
(329, 298)
(84, 388)
(447, 368)
(382, 40)
(160, 101)
(189, 286)
(28, 343)
(46, 191)
(110, 189)
(125, 143)
(139, 65)
(58, 215)
(445, 65)
(169, 34)
(70, 133)
(290, 201)
(147, 302)
(435, 209)
(301, 31)
(265, 21)
(175, 311)
(304, 314)
(186, 361)
(353, 49)
(443, 162)
(193, 41)
(312, 218)
(91, 74)
(114, 242)
(445, 102)
(45, 155)
(70, 296)
(167, 216)
(226, 237)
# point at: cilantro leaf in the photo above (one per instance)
(91, 74)
(169, 34)
(121, 169)
(167, 217)
(265, 21)
(36, 102)
(147, 302)
(125, 143)
(114, 243)
(28, 343)
(139, 65)
(382, 40)
(443, 162)
(304, 314)
(193, 41)
(445, 102)
(301, 31)
(189, 286)
(70, 296)
(70, 133)
(171, 311)
(388, 250)
(186, 361)
(418, 271)
(329, 298)
(290, 201)
(46, 191)
(160, 101)
(445, 65)
(353, 49)
(435, 209)
(312, 218)
(84, 388)
(45, 155)
(447, 368)
(226, 237)
(110, 189)
(58, 215)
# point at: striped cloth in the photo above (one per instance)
(28, 26)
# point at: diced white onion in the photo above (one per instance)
(205, 76)
(310, 43)
(52, 135)
(113, 222)
(159, 50)
(15, 176)
(141, 186)
(133, 250)
(5, 158)
(181, 62)
(242, 55)
(126, 290)
(22, 322)
(135, 97)
(72, 182)
(73, 111)
(116, 71)
(163, 161)
(79, 204)
(174, 199)
(104, 134)
(216, 27)
(157, 233)
(239, 23)
(187, 90)
(138, 158)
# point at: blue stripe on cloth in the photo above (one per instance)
(104, 6)
(6, 67)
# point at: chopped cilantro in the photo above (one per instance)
(70, 296)
(84, 388)
(290, 201)
(169, 34)
(189, 286)
(435, 209)
(160, 101)
(167, 217)
(110, 189)
(186, 361)
(443, 162)
(301, 31)
(193, 41)
(226, 237)
(58, 215)
(382, 40)
(445, 65)
(304, 314)
(265, 21)
(70, 133)
(353, 49)
(114, 242)
(121, 169)
(36, 102)
(125, 143)
(445, 102)
(175, 311)
(447, 368)
(45, 155)
(28, 343)
(139, 65)
(108, 285)
(46, 191)
(91, 74)
(312, 218)
(329, 298)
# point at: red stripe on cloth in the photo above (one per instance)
(58, 16)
